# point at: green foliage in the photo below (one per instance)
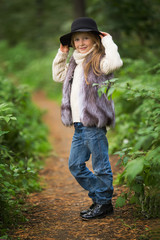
(30, 67)
(23, 142)
(120, 202)
(15, 58)
(38, 75)
(106, 88)
(132, 24)
(137, 134)
(35, 22)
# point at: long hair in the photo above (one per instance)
(94, 61)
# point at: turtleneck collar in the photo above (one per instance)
(79, 57)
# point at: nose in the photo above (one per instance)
(81, 42)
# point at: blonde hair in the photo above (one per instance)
(94, 62)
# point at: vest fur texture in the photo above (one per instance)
(94, 110)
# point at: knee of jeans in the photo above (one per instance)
(103, 171)
(73, 169)
(98, 172)
(76, 169)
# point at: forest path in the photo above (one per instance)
(54, 213)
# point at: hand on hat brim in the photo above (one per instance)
(103, 34)
(64, 48)
(66, 39)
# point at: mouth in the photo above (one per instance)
(82, 48)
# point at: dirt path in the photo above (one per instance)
(55, 211)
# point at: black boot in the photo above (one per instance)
(98, 211)
(87, 210)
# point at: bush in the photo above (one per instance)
(27, 66)
(137, 134)
(23, 143)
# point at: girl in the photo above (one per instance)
(94, 60)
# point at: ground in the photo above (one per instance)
(53, 213)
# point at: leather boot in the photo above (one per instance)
(98, 211)
(87, 210)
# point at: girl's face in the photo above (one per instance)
(83, 42)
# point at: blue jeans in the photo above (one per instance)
(86, 141)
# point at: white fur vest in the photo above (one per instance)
(95, 111)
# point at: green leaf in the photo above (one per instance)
(103, 89)
(113, 80)
(13, 118)
(3, 132)
(125, 160)
(110, 91)
(120, 202)
(137, 187)
(95, 84)
(133, 199)
(4, 237)
(4, 107)
(99, 92)
(7, 184)
(134, 168)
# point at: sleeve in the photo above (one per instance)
(59, 66)
(111, 60)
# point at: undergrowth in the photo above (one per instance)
(23, 143)
(136, 138)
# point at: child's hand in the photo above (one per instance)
(64, 49)
(103, 34)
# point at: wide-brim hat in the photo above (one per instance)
(82, 24)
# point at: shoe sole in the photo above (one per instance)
(98, 217)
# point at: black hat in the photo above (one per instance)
(82, 24)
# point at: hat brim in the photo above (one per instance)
(66, 39)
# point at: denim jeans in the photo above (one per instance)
(87, 141)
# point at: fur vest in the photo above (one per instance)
(95, 111)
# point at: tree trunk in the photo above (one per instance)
(40, 8)
(79, 8)
(39, 22)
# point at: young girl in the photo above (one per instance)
(94, 60)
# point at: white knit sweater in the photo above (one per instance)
(109, 63)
